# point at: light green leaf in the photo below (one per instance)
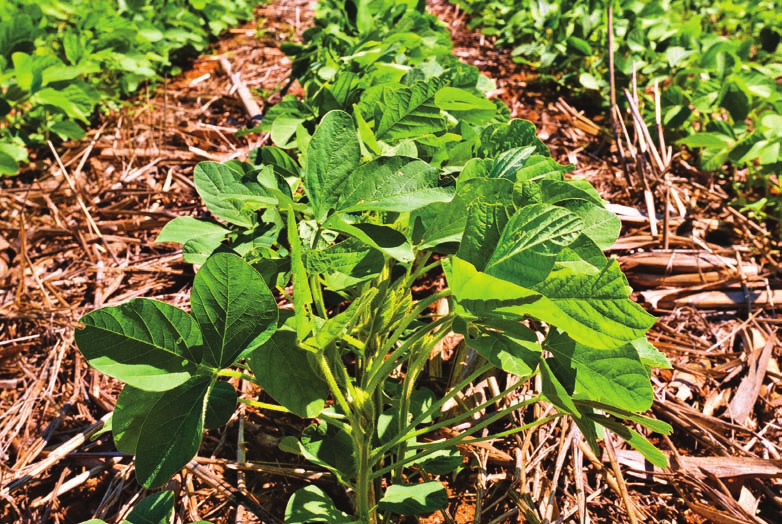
(614, 377)
(392, 184)
(635, 439)
(465, 106)
(234, 308)
(507, 164)
(171, 433)
(441, 462)
(345, 264)
(650, 355)
(530, 242)
(230, 193)
(414, 499)
(148, 344)
(332, 155)
(497, 138)
(403, 112)
(283, 369)
(183, 229)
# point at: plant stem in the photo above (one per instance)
(263, 405)
(237, 374)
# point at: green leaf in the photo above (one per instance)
(331, 157)
(345, 264)
(311, 504)
(220, 405)
(507, 164)
(171, 434)
(465, 106)
(403, 112)
(530, 242)
(330, 447)
(497, 138)
(10, 157)
(414, 499)
(707, 140)
(132, 407)
(441, 462)
(184, 229)
(392, 184)
(553, 391)
(486, 220)
(283, 369)
(539, 167)
(148, 344)
(600, 225)
(383, 238)
(614, 377)
(635, 439)
(234, 309)
(650, 355)
(68, 130)
(516, 350)
(230, 193)
(157, 508)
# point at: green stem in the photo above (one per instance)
(263, 405)
(332, 382)
(237, 374)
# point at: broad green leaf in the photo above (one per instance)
(345, 264)
(283, 130)
(329, 446)
(234, 308)
(148, 344)
(635, 439)
(132, 407)
(507, 164)
(414, 499)
(497, 138)
(183, 229)
(311, 504)
(650, 355)
(530, 242)
(392, 184)
(539, 167)
(600, 225)
(652, 424)
(333, 154)
(486, 220)
(283, 369)
(611, 376)
(403, 112)
(465, 106)
(68, 130)
(220, 405)
(302, 298)
(449, 223)
(157, 508)
(516, 350)
(171, 433)
(383, 238)
(441, 462)
(707, 140)
(229, 193)
(592, 309)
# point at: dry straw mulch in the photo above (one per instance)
(78, 232)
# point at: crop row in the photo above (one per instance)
(718, 66)
(59, 59)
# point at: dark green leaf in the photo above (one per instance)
(220, 405)
(414, 499)
(311, 504)
(157, 508)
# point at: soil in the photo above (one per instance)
(78, 230)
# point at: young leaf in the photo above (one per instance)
(182, 229)
(311, 504)
(403, 112)
(507, 164)
(234, 308)
(392, 184)
(148, 344)
(414, 499)
(284, 371)
(383, 238)
(171, 434)
(332, 155)
(497, 138)
(465, 106)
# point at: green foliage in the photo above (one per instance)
(414, 174)
(717, 65)
(60, 59)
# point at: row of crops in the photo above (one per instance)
(718, 66)
(62, 59)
